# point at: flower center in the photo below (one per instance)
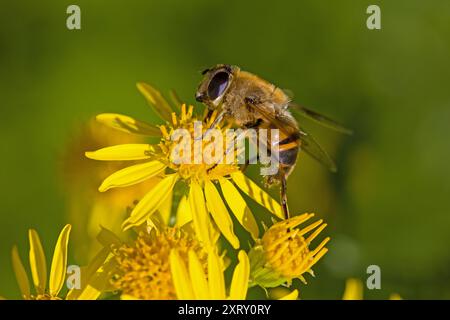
(287, 251)
(143, 269)
(193, 156)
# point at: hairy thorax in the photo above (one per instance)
(249, 86)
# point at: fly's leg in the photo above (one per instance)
(283, 195)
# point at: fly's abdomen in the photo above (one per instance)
(287, 152)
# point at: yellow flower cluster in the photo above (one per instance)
(180, 226)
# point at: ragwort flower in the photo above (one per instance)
(283, 253)
(58, 270)
(38, 267)
(202, 179)
(193, 282)
(139, 268)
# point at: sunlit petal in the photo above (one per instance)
(239, 283)
(59, 262)
(38, 264)
(201, 289)
(133, 151)
(165, 209)
(128, 124)
(21, 274)
(291, 296)
(132, 175)
(180, 277)
(200, 217)
(239, 207)
(215, 277)
(256, 193)
(220, 213)
(150, 202)
(184, 214)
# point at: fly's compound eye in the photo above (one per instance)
(217, 85)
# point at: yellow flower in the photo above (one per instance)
(88, 208)
(140, 269)
(89, 275)
(203, 198)
(284, 254)
(193, 282)
(38, 266)
(354, 290)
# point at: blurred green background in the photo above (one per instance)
(388, 204)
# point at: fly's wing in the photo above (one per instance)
(318, 118)
(311, 147)
(308, 143)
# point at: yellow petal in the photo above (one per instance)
(239, 283)
(133, 151)
(87, 274)
(150, 202)
(97, 283)
(239, 207)
(291, 296)
(38, 264)
(180, 277)
(128, 297)
(165, 209)
(201, 290)
(395, 296)
(215, 277)
(107, 238)
(156, 100)
(132, 175)
(59, 262)
(200, 217)
(127, 124)
(256, 193)
(21, 274)
(220, 213)
(184, 214)
(353, 289)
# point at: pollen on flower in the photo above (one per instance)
(143, 269)
(284, 252)
(287, 250)
(195, 168)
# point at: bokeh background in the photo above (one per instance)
(388, 204)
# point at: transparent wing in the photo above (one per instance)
(312, 148)
(285, 126)
(318, 118)
(308, 143)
